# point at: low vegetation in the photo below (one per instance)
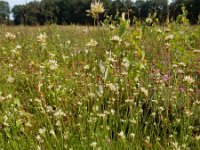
(113, 86)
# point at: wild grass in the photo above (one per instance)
(110, 87)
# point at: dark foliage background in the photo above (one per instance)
(74, 11)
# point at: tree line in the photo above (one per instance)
(74, 11)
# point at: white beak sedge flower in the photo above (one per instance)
(92, 43)
(116, 39)
(10, 79)
(145, 91)
(93, 144)
(42, 38)
(188, 79)
(10, 36)
(96, 8)
(121, 134)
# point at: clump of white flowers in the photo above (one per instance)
(92, 43)
(93, 144)
(116, 39)
(196, 51)
(113, 87)
(122, 135)
(10, 36)
(169, 37)
(188, 79)
(96, 8)
(42, 38)
(42, 131)
(144, 91)
(86, 67)
(159, 31)
(126, 63)
(59, 113)
(53, 65)
(149, 20)
(10, 79)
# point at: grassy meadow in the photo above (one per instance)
(106, 87)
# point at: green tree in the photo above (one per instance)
(73, 11)
(19, 14)
(192, 6)
(33, 13)
(49, 11)
(117, 8)
(29, 14)
(4, 12)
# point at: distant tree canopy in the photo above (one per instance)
(74, 11)
(4, 12)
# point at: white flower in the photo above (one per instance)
(5, 118)
(92, 95)
(149, 20)
(169, 37)
(96, 8)
(66, 135)
(59, 113)
(86, 67)
(112, 87)
(126, 62)
(159, 31)
(92, 43)
(182, 64)
(196, 51)
(145, 91)
(112, 27)
(102, 67)
(52, 132)
(100, 90)
(58, 123)
(129, 100)
(121, 134)
(112, 111)
(188, 79)
(116, 39)
(188, 113)
(38, 147)
(132, 135)
(10, 79)
(42, 38)
(54, 67)
(10, 36)
(28, 124)
(93, 144)
(38, 137)
(69, 42)
(175, 144)
(53, 64)
(85, 30)
(18, 47)
(42, 131)
(133, 121)
(9, 96)
(197, 137)
(161, 108)
(103, 115)
(167, 30)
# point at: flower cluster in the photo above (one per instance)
(10, 36)
(96, 8)
(42, 38)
